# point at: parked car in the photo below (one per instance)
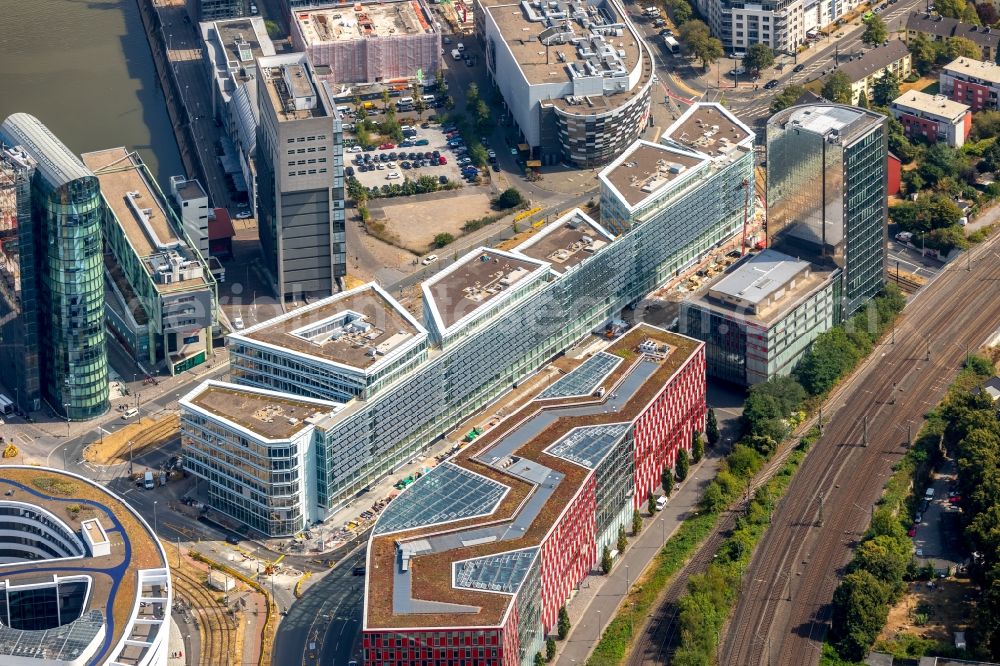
(387, 146)
(392, 175)
(354, 149)
(443, 180)
(912, 532)
(349, 171)
(405, 165)
(421, 142)
(243, 215)
(429, 259)
(773, 83)
(491, 154)
(442, 160)
(463, 161)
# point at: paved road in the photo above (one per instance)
(784, 609)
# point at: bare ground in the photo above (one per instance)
(414, 224)
(948, 607)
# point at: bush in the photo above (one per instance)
(667, 481)
(637, 519)
(562, 624)
(443, 239)
(550, 649)
(606, 562)
(711, 427)
(509, 198)
(697, 447)
(682, 465)
(622, 540)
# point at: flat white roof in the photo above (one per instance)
(987, 71)
(647, 170)
(935, 105)
(762, 275)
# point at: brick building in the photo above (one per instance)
(972, 82)
(932, 118)
(471, 564)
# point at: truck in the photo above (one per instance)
(147, 481)
(651, 12)
(672, 44)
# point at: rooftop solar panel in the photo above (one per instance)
(502, 572)
(587, 445)
(444, 494)
(585, 379)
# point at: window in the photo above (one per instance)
(312, 171)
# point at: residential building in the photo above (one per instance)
(215, 10)
(300, 176)
(971, 82)
(939, 28)
(487, 546)
(65, 230)
(230, 53)
(370, 42)
(759, 317)
(62, 607)
(575, 75)
(261, 440)
(192, 207)
(932, 118)
(19, 335)
(826, 193)
(864, 70)
(163, 302)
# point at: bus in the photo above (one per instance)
(672, 44)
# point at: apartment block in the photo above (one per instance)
(939, 28)
(972, 82)
(191, 203)
(864, 70)
(932, 118)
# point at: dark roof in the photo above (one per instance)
(945, 27)
(875, 60)
(809, 97)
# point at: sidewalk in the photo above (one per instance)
(595, 604)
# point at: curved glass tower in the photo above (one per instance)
(66, 209)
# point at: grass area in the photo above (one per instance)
(618, 635)
(933, 89)
(54, 486)
(145, 434)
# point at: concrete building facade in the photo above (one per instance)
(65, 227)
(972, 82)
(865, 70)
(932, 118)
(191, 203)
(300, 175)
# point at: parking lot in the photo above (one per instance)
(394, 164)
(937, 535)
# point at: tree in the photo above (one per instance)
(471, 98)
(550, 649)
(443, 239)
(539, 659)
(439, 82)
(862, 100)
(509, 198)
(786, 97)
(860, 608)
(385, 99)
(837, 88)
(667, 481)
(711, 427)
(273, 29)
(682, 465)
(875, 31)
(951, 8)
(744, 461)
(759, 57)
(962, 47)
(419, 105)
(482, 116)
(697, 447)
(987, 13)
(698, 42)
(622, 540)
(947, 239)
(764, 444)
(985, 124)
(829, 357)
(606, 561)
(925, 53)
(562, 623)
(637, 519)
(886, 558)
(940, 162)
(478, 154)
(651, 503)
(680, 11)
(991, 158)
(886, 89)
(449, 103)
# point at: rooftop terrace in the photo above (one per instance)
(567, 242)
(345, 22)
(477, 279)
(128, 189)
(267, 414)
(462, 571)
(710, 129)
(290, 88)
(645, 169)
(358, 329)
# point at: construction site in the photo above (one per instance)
(367, 43)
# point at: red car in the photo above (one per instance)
(387, 146)
(442, 160)
(912, 532)
(955, 499)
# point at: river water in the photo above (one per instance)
(83, 67)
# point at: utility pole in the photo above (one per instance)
(866, 430)
(893, 400)
(821, 421)
(909, 438)
(821, 500)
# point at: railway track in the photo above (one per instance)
(784, 608)
(216, 628)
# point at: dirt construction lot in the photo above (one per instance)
(437, 141)
(414, 223)
(931, 612)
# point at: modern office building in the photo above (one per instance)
(760, 316)
(865, 70)
(300, 176)
(230, 53)
(932, 118)
(939, 28)
(19, 350)
(164, 300)
(473, 561)
(84, 578)
(475, 352)
(972, 82)
(256, 447)
(65, 230)
(191, 204)
(370, 42)
(826, 192)
(575, 75)
(216, 10)
(350, 345)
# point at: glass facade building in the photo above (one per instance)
(827, 188)
(66, 216)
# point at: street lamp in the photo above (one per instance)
(66, 407)
(154, 516)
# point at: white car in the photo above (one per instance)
(429, 259)
(243, 215)
(392, 175)
(354, 149)
(238, 323)
(464, 161)
(391, 165)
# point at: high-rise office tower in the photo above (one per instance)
(826, 192)
(63, 233)
(300, 179)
